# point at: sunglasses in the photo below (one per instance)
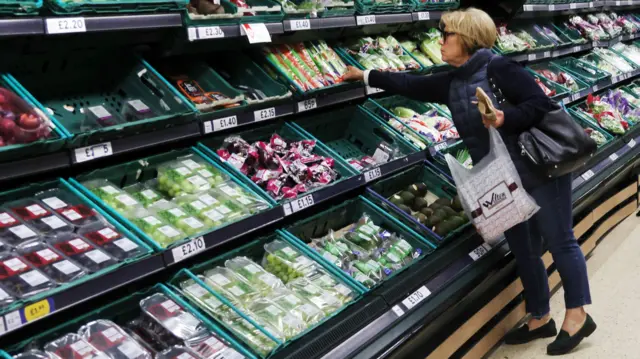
(446, 34)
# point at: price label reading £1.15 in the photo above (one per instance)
(84, 154)
(372, 174)
(298, 204)
(188, 249)
(65, 25)
(416, 297)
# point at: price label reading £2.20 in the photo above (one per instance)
(307, 105)
(89, 153)
(65, 25)
(416, 297)
(188, 249)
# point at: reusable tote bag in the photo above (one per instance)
(491, 192)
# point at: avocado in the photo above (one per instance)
(426, 211)
(464, 218)
(442, 229)
(433, 221)
(435, 206)
(407, 197)
(421, 218)
(456, 222)
(443, 201)
(414, 190)
(397, 200)
(440, 212)
(419, 203)
(405, 208)
(456, 204)
(450, 212)
(422, 188)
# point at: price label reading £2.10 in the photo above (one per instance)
(89, 153)
(65, 25)
(307, 105)
(416, 297)
(188, 249)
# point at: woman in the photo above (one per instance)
(468, 36)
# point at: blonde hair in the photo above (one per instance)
(476, 27)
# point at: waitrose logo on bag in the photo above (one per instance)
(496, 199)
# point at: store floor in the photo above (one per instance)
(614, 272)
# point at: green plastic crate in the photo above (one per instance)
(436, 5)
(21, 7)
(264, 133)
(33, 189)
(441, 163)
(346, 55)
(588, 124)
(264, 11)
(570, 33)
(582, 70)
(63, 7)
(581, 85)
(382, 109)
(143, 170)
(303, 232)
(56, 140)
(121, 311)
(437, 182)
(352, 133)
(373, 7)
(561, 91)
(80, 85)
(254, 251)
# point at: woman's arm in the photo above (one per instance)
(528, 102)
(431, 88)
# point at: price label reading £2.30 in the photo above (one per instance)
(188, 249)
(65, 25)
(307, 105)
(210, 32)
(416, 297)
(89, 153)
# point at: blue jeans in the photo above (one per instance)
(553, 223)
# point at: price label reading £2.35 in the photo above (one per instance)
(307, 105)
(188, 249)
(89, 153)
(65, 25)
(416, 297)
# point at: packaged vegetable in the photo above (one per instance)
(112, 242)
(145, 195)
(178, 352)
(208, 346)
(328, 283)
(254, 274)
(285, 261)
(178, 218)
(72, 346)
(68, 206)
(286, 324)
(171, 316)
(14, 232)
(155, 227)
(232, 286)
(112, 195)
(20, 278)
(32, 354)
(176, 179)
(298, 306)
(50, 262)
(110, 339)
(316, 295)
(82, 252)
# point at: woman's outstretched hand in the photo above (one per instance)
(353, 74)
(497, 123)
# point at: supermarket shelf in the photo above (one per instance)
(604, 84)
(79, 24)
(379, 19)
(34, 165)
(427, 15)
(80, 293)
(319, 23)
(561, 7)
(213, 123)
(610, 3)
(354, 92)
(15, 27)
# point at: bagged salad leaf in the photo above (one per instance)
(316, 295)
(328, 283)
(587, 29)
(268, 312)
(254, 274)
(232, 286)
(298, 306)
(509, 42)
(109, 338)
(596, 136)
(286, 262)
(606, 115)
(73, 346)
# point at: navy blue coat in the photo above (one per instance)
(527, 103)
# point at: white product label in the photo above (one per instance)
(613, 157)
(169, 231)
(213, 215)
(219, 279)
(97, 256)
(327, 280)
(5, 218)
(54, 222)
(130, 349)
(424, 15)
(223, 209)
(109, 190)
(380, 156)
(391, 256)
(36, 210)
(47, 255)
(125, 244)
(139, 106)
(416, 297)
(224, 123)
(318, 301)
(183, 171)
(197, 205)
(65, 25)
(126, 200)
(100, 111)
(22, 231)
(170, 306)
(191, 164)
(309, 309)
(66, 267)
(79, 244)
(236, 291)
(71, 215)
(587, 175)
(273, 310)
(82, 348)
(92, 152)
(177, 212)
(210, 32)
(479, 252)
(292, 299)
(303, 261)
(495, 200)
(307, 105)
(15, 264)
(531, 57)
(312, 289)
(632, 143)
(108, 233)
(196, 290)
(302, 24)
(208, 199)
(396, 309)
(342, 289)
(372, 90)
(199, 182)
(244, 200)
(229, 191)
(366, 20)
(265, 114)
(151, 220)
(149, 194)
(256, 33)
(205, 173)
(193, 223)
(112, 334)
(34, 278)
(289, 252)
(330, 257)
(252, 268)
(54, 202)
(213, 302)
(372, 174)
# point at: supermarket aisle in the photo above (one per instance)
(614, 270)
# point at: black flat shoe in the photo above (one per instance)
(565, 343)
(524, 335)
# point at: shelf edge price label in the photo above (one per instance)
(479, 252)
(13, 320)
(441, 146)
(264, 114)
(84, 154)
(65, 25)
(547, 54)
(210, 32)
(531, 57)
(256, 33)
(572, 6)
(298, 204)
(587, 175)
(416, 297)
(632, 143)
(302, 24)
(307, 105)
(613, 157)
(372, 174)
(37, 310)
(552, 7)
(366, 20)
(424, 15)
(188, 249)
(224, 123)
(577, 48)
(396, 309)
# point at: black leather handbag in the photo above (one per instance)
(557, 143)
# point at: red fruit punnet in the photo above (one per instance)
(7, 128)
(29, 121)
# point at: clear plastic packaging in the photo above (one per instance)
(178, 218)
(286, 262)
(39, 217)
(20, 277)
(172, 317)
(112, 242)
(97, 117)
(287, 324)
(82, 251)
(235, 192)
(156, 228)
(14, 231)
(6, 297)
(113, 196)
(21, 122)
(145, 195)
(69, 207)
(55, 265)
(176, 179)
(136, 110)
(227, 283)
(73, 346)
(295, 304)
(109, 338)
(331, 285)
(178, 352)
(254, 274)
(201, 167)
(32, 354)
(209, 346)
(316, 295)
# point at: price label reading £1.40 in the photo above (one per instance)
(302, 24)
(416, 297)
(65, 25)
(366, 20)
(224, 123)
(188, 249)
(84, 154)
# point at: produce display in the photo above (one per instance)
(464, 157)
(382, 53)
(430, 125)
(210, 99)
(547, 91)
(596, 136)
(281, 167)
(609, 61)
(588, 30)
(509, 42)
(632, 52)
(606, 115)
(204, 7)
(189, 197)
(20, 122)
(562, 77)
(425, 47)
(619, 100)
(308, 66)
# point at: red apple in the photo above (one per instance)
(29, 121)
(2, 142)
(7, 127)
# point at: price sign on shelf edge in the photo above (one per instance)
(301, 24)
(416, 297)
(210, 32)
(424, 15)
(480, 251)
(366, 20)
(264, 114)
(65, 25)
(224, 123)
(307, 105)
(372, 174)
(84, 154)
(298, 204)
(188, 249)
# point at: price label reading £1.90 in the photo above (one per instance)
(89, 153)
(416, 297)
(65, 25)
(188, 249)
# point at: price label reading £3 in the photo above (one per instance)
(416, 297)
(188, 249)
(307, 105)
(84, 154)
(65, 25)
